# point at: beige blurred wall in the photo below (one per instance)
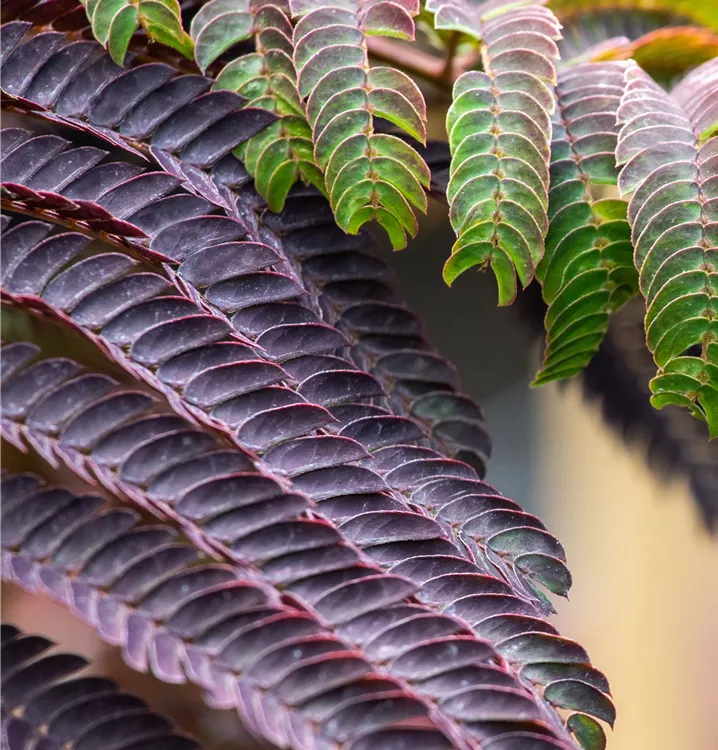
(645, 594)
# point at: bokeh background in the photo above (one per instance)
(645, 595)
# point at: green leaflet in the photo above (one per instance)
(587, 731)
(710, 132)
(283, 153)
(115, 21)
(499, 129)
(672, 213)
(587, 272)
(368, 176)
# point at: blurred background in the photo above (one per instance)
(644, 601)
(645, 595)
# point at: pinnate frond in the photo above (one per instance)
(47, 701)
(175, 613)
(315, 478)
(499, 132)
(292, 448)
(283, 152)
(421, 380)
(354, 294)
(368, 175)
(671, 179)
(153, 447)
(182, 615)
(587, 271)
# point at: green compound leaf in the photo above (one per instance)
(114, 22)
(499, 129)
(283, 153)
(587, 272)
(673, 179)
(368, 176)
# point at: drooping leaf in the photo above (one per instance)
(587, 271)
(283, 153)
(499, 132)
(368, 175)
(671, 219)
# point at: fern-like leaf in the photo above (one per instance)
(510, 540)
(672, 180)
(368, 175)
(283, 153)
(183, 616)
(499, 132)
(588, 270)
(340, 489)
(393, 534)
(420, 379)
(115, 21)
(356, 296)
(48, 702)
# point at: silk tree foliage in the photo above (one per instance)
(530, 159)
(228, 446)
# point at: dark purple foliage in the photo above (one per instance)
(48, 703)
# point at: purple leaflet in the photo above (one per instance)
(224, 261)
(34, 271)
(166, 340)
(218, 384)
(22, 63)
(291, 222)
(106, 303)
(25, 389)
(129, 325)
(17, 356)
(306, 454)
(87, 712)
(255, 320)
(125, 91)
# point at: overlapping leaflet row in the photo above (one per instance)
(587, 271)
(499, 130)
(368, 175)
(281, 154)
(671, 174)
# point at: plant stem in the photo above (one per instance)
(442, 73)
(448, 70)
(410, 60)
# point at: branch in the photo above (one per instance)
(441, 72)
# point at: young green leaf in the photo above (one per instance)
(499, 129)
(283, 153)
(587, 271)
(368, 176)
(114, 22)
(673, 179)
